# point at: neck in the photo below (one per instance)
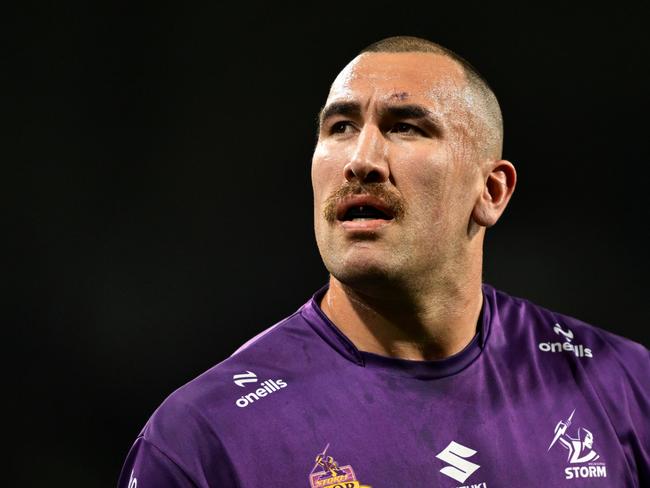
(423, 324)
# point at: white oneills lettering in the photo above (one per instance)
(268, 387)
(567, 346)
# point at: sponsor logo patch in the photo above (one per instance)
(459, 468)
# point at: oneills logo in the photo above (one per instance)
(579, 350)
(331, 475)
(266, 388)
(243, 378)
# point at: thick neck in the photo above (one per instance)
(430, 323)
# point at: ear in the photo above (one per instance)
(500, 178)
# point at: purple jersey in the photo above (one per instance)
(537, 399)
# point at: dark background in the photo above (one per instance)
(160, 213)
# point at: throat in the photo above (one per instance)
(403, 332)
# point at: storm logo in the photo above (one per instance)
(580, 449)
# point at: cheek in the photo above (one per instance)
(326, 171)
(422, 177)
(439, 190)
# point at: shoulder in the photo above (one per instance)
(549, 331)
(566, 350)
(190, 423)
(571, 355)
(265, 355)
(201, 405)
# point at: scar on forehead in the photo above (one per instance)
(399, 96)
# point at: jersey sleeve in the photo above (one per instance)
(628, 394)
(179, 448)
(146, 465)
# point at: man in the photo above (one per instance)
(406, 370)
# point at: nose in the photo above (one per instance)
(368, 163)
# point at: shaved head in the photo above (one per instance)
(412, 133)
(485, 129)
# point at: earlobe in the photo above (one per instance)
(499, 184)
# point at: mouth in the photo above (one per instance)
(363, 212)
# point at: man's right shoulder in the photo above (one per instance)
(267, 354)
(189, 425)
(261, 362)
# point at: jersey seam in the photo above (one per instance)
(262, 334)
(387, 372)
(342, 339)
(170, 459)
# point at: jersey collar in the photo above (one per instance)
(333, 336)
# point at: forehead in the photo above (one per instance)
(386, 77)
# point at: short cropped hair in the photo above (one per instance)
(486, 112)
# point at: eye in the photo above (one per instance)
(340, 127)
(404, 128)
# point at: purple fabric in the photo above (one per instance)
(537, 399)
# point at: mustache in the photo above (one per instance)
(391, 198)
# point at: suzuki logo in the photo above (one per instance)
(455, 454)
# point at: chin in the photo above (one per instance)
(361, 272)
(362, 264)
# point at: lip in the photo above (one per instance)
(364, 226)
(360, 200)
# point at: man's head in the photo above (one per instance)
(407, 170)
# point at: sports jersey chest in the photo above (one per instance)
(356, 428)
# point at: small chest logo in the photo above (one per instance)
(580, 447)
(455, 455)
(567, 346)
(331, 475)
(266, 388)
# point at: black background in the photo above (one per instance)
(157, 171)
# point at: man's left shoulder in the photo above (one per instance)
(607, 349)
(560, 334)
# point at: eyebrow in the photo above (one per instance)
(407, 111)
(349, 109)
